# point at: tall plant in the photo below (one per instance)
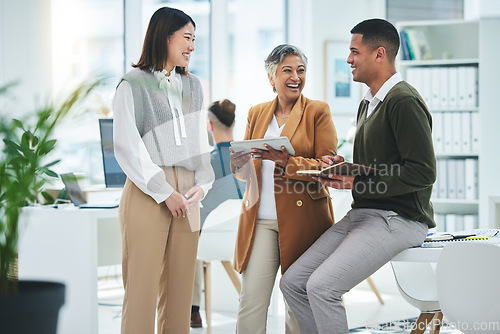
(24, 169)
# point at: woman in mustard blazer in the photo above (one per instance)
(283, 213)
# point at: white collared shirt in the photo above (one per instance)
(381, 94)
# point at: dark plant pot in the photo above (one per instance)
(34, 309)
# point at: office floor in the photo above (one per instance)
(363, 309)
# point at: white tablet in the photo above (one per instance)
(276, 143)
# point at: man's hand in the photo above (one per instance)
(279, 157)
(337, 181)
(328, 160)
(177, 204)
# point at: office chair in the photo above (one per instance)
(217, 243)
(467, 280)
(416, 282)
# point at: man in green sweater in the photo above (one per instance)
(391, 210)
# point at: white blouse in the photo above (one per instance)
(267, 205)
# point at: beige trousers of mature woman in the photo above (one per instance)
(158, 259)
(258, 282)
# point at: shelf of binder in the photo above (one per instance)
(432, 41)
(457, 206)
(438, 62)
(453, 64)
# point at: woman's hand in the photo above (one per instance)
(177, 204)
(238, 159)
(279, 157)
(193, 196)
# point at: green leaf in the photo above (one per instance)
(12, 145)
(46, 147)
(48, 198)
(26, 139)
(34, 140)
(50, 164)
(18, 124)
(50, 172)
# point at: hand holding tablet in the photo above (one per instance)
(275, 143)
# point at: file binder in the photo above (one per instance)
(466, 132)
(453, 87)
(456, 136)
(461, 87)
(436, 88)
(442, 180)
(475, 132)
(452, 178)
(437, 131)
(444, 93)
(471, 179)
(460, 178)
(471, 87)
(448, 132)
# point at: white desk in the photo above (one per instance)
(431, 254)
(67, 245)
(417, 281)
(419, 254)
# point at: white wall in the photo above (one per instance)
(475, 9)
(311, 23)
(25, 51)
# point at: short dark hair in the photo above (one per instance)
(379, 32)
(163, 24)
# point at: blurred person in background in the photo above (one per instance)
(221, 115)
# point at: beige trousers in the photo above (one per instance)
(158, 260)
(258, 281)
(198, 283)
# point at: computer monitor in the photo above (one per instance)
(114, 177)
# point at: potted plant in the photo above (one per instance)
(28, 306)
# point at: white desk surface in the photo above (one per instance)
(419, 254)
(65, 245)
(431, 254)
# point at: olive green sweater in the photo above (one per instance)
(396, 138)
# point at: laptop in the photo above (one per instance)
(78, 198)
(114, 177)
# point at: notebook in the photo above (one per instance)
(441, 239)
(78, 198)
(341, 168)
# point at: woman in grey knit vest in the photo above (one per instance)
(161, 143)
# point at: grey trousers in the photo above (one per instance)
(345, 255)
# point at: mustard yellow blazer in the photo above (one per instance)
(303, 206)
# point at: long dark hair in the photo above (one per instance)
(163, 24)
